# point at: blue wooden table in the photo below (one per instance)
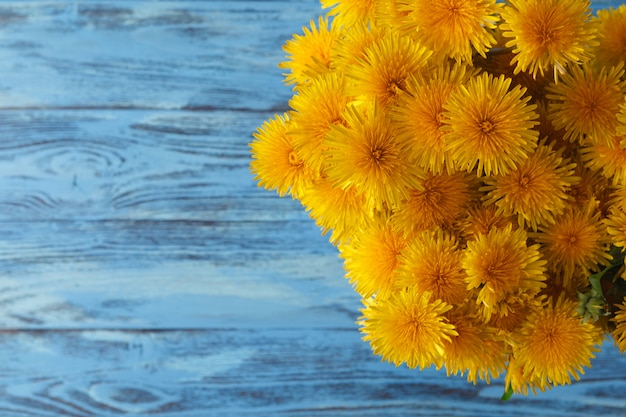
(142, 271)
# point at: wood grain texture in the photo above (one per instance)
(232, 372)
(142, 271)
(201, 55)
(117, 218)
(131, 164)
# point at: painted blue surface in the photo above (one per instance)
(141, 269)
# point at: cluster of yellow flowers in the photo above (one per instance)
(468, 159)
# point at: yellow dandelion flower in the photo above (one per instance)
(351, 48)
(309, 55)
(347, 13)
(500, 264)
(339, 211)
(617, 199)
(616, 227)
(513, 311)
(432, 262)
(520, 382)
(489, 126)
(453, 28)
(608, 157)
(611, 49)
(576, 241)
(593, 186)
(621, 126)
(555, 343)
(439, 201)
(275, 163)
(481, 219)
(386, 68)
(371, 259)
(419, 115)
(547, 35)
(409, 327)
(317, 106)
(535, 191)
(475, 349)
(368, 155)
(619, 333)
(389, 14)
(506, 314)
(585, 103)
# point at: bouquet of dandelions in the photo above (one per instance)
(468, 159)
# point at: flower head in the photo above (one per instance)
(535, 191)
(617, 200)
(611, 48)
(368, 155)
(347, 13)
(336, 210)
(608, 157)
(275, 161)
(439, 201)
(616, 227)
(475, 348)
(388, 65)
(555, 344)
(453, 28)
(489, 126)
(371, 259)
(309, 55)
(390, 14)
(432, 262)
(586, 103)
(548, 35)
(318, 105)
(519, 382)
(351, 48)
(577, 242)
(513, 311)
(593, 186)
(419, 115)
(619, 333)
(409, 327)
(500, 264)
(481, 219)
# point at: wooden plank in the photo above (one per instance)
(151, 219)
(83, 164)
(145, 274)
(145, 54)
(225, 372)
